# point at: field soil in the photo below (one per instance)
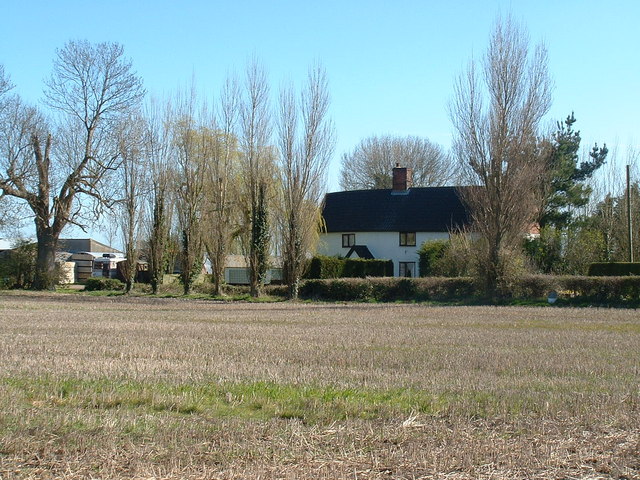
(118, 387)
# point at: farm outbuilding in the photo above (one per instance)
(95, 264)
(236, 271)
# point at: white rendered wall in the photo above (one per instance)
(382, 245)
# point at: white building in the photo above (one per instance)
(390, 223)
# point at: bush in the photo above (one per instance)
(545, 251)
(614, 269)
(17, 267)
(455, 257)
(100, 283)
(430, 254)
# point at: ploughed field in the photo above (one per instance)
(116, 387)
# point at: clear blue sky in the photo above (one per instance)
(391, 64)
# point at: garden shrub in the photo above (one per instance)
(430, 254)
(335, 267)
(322, 266)
(101, 283)
(361, 268)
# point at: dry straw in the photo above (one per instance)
(151, 388)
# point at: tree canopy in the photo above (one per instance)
(370, 164)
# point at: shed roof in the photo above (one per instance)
(429, 209)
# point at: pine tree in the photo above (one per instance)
(566, 187)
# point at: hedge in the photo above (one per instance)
(596, 289)
(388, 289)
(614, 269)
(599, 290)
(360, 267)
(336, 267)
(325, 267)
(603, 289)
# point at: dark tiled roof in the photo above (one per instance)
(431, 209)
(361, 250)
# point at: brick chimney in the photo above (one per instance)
(402, 180)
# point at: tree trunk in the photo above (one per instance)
(294, 287)
(494, 276)
(157, 242)
(218, 273)
(216, 256)
(128, 284)
(259, 256)
(130, 266)
(254, 289)
(45, 274)
(217, 286)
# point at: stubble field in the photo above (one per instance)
(163, 388)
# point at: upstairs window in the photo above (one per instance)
(348, 240)
(407, 239)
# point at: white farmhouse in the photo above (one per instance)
(390, 223)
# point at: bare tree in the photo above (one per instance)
(306, 142)
(18, 174)
(496, 114)
(133, 180)
(255, 132)
(157, 149)
(91, 86)
(219, 191)
(193, 143)
(9, 207)
(5, 86)
(370, 164)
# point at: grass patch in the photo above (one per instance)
(261, 400)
